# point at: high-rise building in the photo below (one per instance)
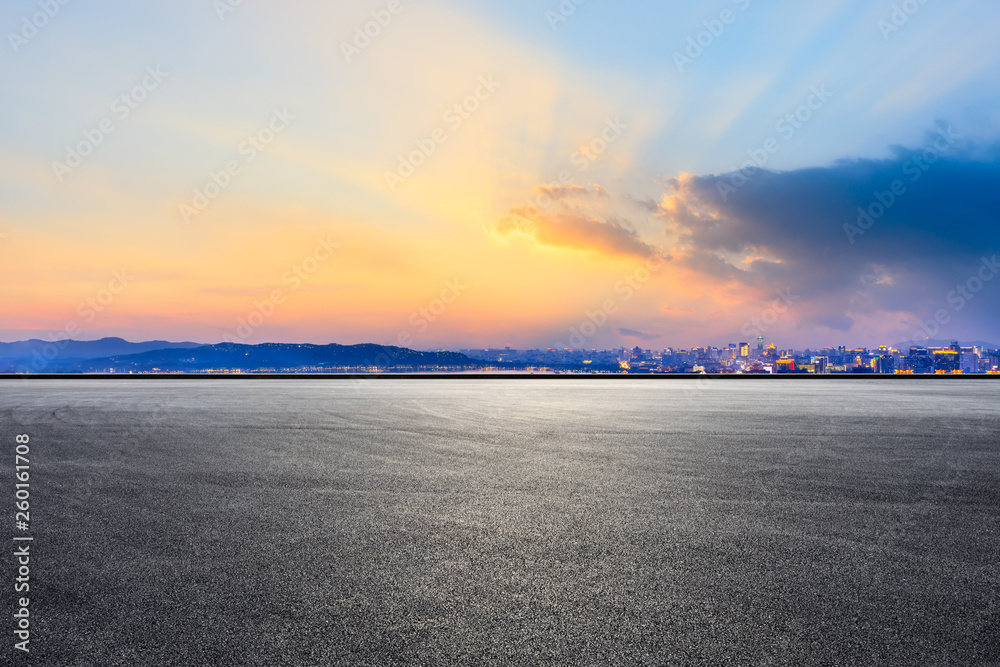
(821, 364)
(968, 360)
(946, 361)
(785, 365)
(920, 360)
(884, 363)
(744, 350)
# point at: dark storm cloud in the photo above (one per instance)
(858, 236)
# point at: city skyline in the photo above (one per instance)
(439, 175)
(116, 356)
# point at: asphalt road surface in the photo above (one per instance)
(507, 522)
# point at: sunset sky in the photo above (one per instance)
(247, 167)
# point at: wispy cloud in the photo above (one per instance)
(564, 230)
(641, 335)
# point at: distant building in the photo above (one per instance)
(785, 365)
(884, 364)
(920, 360)
(947, 361)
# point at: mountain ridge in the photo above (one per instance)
(262, 356)
(36, 353)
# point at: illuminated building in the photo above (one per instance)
(821, 364)
(884, 364)
(920, 360)
(946, 360)
(785, 365)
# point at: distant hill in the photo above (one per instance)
(40, 355)
(273, 357)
